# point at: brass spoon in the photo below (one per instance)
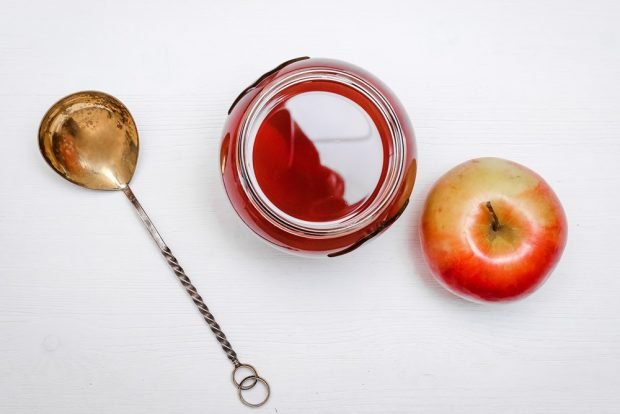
(90, 139)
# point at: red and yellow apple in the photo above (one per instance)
(492, 230)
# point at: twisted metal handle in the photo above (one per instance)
(201, 305)
(248, 382)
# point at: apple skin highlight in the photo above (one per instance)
(492, 230)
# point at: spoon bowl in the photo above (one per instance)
(90, 139)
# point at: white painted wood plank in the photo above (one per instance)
(91, 320)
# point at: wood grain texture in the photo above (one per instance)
(92, 320)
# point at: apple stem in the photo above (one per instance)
(495, 223)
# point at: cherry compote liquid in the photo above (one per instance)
(318, 157)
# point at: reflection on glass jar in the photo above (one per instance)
(318, 156)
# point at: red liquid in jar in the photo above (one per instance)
(319, 154)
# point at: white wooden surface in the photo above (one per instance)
(91, 319)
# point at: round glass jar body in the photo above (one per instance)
(318, 156)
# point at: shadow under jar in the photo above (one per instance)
(318, 156)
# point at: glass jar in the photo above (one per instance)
(318, 156)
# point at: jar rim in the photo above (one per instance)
(385, 189)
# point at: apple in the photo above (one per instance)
(492, 230)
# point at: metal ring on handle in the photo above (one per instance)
(256, 380)
(239, 384)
